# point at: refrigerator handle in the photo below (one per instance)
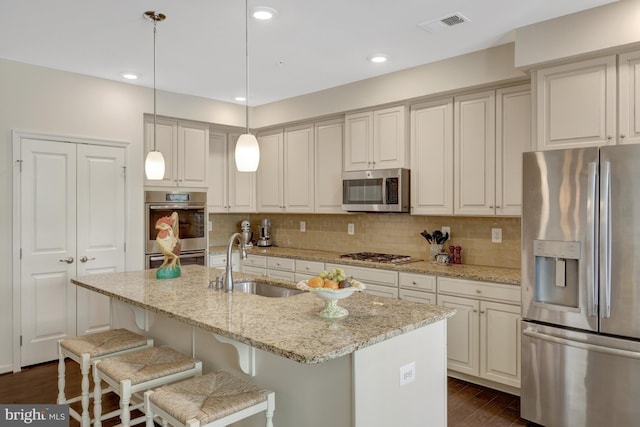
(579, 344)
(605, 236)
(592, 268)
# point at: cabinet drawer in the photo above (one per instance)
(259, 271)
(281, 275)
(312, 268)
(219, 260)
(255, 261)
(480, 290)
(285, 264)
(417, 282)
(418, 296)
(381, 291)
(369, 275)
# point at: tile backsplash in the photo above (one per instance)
(387, 233)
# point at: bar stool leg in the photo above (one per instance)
(125, 416)
(85, 364)
(61, 373)
(97, 397)
(271, 403)
(147, 409)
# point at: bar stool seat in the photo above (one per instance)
(84, 350)
(211, 400)
(139, 371)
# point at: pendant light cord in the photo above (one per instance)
(154, 84)
(246, 63)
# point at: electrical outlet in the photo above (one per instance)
(351, 228)
(496, 235)
(408, 373)
(303, 226)
(210, 225)
(446, 229)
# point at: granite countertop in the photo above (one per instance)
(509, 276)
(288, 327)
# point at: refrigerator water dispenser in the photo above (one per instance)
(556, 272)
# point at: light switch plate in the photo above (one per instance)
(408, 373)
(446, 229)
(303, 226)
(210, 225)
(351, 228)
(496, 235)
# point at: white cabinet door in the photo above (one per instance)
(389, 138)
(167, 144)
(328, 166)
(217, 175)
(358, 141)
(432, 158)
(298, 180)
(629, 97)
(242, 185)
(500, 343)
(462, 334)
(418, 296)
(270, 173)
(193, 153)
(576, 104)
(474, 149)
(513, 137)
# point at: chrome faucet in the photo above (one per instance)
(228, 277)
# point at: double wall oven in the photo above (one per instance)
(192, 218)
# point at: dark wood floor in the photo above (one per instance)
(469, 404)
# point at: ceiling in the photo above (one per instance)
(309, 46)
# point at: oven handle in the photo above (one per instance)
(582, 345)
(163, 207)
(161, 257)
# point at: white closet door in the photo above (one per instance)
(48, 241)
(100, 228)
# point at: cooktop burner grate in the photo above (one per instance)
(377, 257)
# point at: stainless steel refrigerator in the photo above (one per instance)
(581, 287)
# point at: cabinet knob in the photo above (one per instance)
(475, 311)
(481, 311)
(609, 138)
(478, 291)
(491, 207)
(623, 136)
(414, 282)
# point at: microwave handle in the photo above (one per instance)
(384, 191)
(165, 207)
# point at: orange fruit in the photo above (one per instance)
(331, 284)
(315, 282)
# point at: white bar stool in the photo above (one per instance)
(211, 400)
(135, 372)
(84, 350)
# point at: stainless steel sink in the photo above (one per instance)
(263, 289)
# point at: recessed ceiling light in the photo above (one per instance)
(263, 13)
(240, 98)
(378, 58)
(129, 76)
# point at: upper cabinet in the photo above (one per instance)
(576, 104)
(376, 139)
(328, 166)
(229, 190)
(629, 99)
(185, 148)
(286, 171)
(432, 158)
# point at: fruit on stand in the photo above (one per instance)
(316, 282)
(334, 279)
(331, 284)
(344, 284)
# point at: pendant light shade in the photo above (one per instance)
(247, 152)
(154, 163)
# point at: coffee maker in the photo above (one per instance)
(247, 235)
(265, 236)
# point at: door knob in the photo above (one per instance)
(83, 258)
(68, 260)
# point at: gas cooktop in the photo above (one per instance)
(377, 257)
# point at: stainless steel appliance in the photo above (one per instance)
(247, 234)
(581, 287)
(191, 209)
(382, 190)
(265, 234)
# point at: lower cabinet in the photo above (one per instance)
(220, 261)
(255, 264)
(281, 268)
(483, 337)
(417, 287)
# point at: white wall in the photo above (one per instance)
(595, 30)
(53, 102)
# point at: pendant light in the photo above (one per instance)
(247, 152)
(154, 163)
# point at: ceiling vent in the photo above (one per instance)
(447, 21)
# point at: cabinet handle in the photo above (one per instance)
(623, 136)
(491, 207)
(609, 138)
(84, 258)
(481, 311)
(475, 311)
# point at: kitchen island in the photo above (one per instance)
(339, 372)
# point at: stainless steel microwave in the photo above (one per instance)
(382, 190)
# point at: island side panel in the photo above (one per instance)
(380, 400)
